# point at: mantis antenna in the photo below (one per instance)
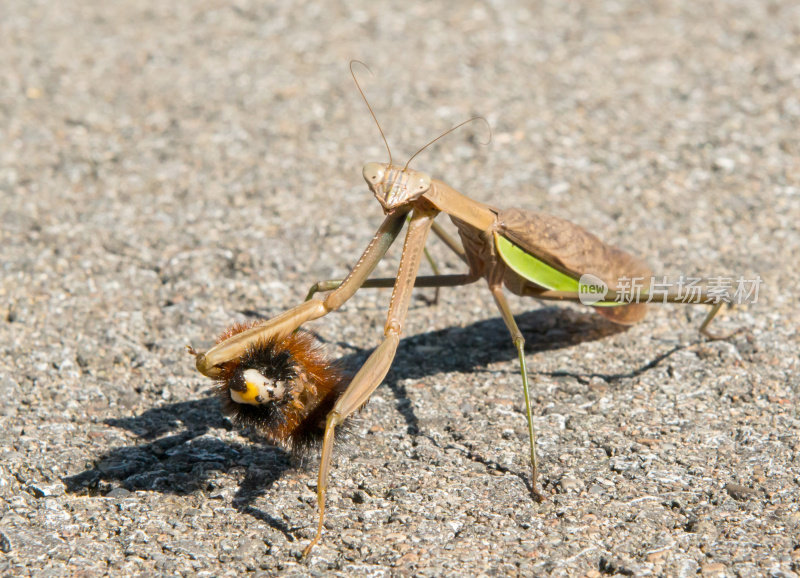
(447, 132)
(383, 136)
(375, 118)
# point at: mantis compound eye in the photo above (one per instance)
(373, 173)
(284, 389)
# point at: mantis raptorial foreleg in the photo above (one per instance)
(284, 324)
(377, 365)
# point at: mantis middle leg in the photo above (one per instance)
(519, 343)
(448, 240)
(386, 282)
(435, 280)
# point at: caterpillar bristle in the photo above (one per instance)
(284, 388)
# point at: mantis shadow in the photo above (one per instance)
(178, 457)
(178, 453)
(472, 348)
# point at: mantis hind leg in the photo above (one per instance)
(707, 321)
(701, 298)
(519, 343)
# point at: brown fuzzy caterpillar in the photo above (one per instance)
(284, 389)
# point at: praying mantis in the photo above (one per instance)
(525, 252)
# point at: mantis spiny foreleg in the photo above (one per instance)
(371, 374)
(284, 324)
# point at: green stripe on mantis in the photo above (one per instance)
(532, 269)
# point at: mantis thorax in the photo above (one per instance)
(394, 186)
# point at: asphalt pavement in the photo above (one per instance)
(167, 169)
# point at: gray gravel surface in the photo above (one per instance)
(167, 168)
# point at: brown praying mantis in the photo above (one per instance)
(272, 376)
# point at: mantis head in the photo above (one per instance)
(394, 186)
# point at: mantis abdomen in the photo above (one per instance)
(556, 254)
(573, 251)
